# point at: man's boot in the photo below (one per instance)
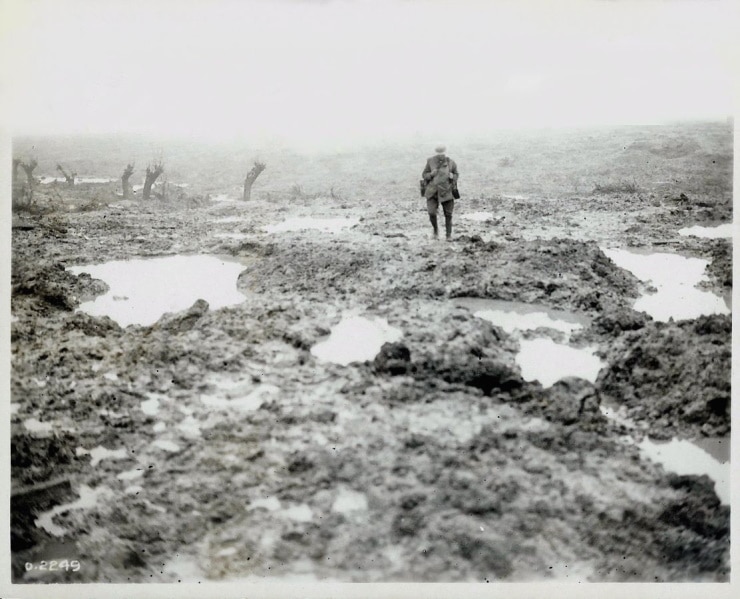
(433, 219)
(448, 227)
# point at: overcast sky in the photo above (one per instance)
(320, 70)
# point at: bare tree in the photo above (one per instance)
(68, 177)
(152, 172)
(127, 172)
(252, 177)
(28, 167)
(160, 191)
(16, 164)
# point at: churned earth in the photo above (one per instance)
(217, 444)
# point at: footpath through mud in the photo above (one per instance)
(218, 443)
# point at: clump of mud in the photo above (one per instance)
(676, 376)
(51, 287)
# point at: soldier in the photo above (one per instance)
(439, 182)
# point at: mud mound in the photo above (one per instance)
(689, 534)
(674, 375)
(51, 286)
(720, 269)
(37, 459)
(556, 272)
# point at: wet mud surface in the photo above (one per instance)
(236, 454)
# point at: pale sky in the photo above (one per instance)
(322, 70)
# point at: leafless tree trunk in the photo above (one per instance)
(251, 178)
(127, 172)
(68, 177)
(152, 172)
(16, 164)
(161, 195)
(28, 167)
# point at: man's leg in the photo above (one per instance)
(448, 207)
(432, 205)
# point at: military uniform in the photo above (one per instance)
(440, 173)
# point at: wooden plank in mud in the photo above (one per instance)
(41, 495)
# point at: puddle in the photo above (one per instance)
(478, 216)
(167, 446)
(230, 219)
(150, 407)
(32, 425)
(299, 513)
(94, 180)
(687, 458)
(88, 498)
(131, 474)
(48, 180)
(242, 396)
(355, 339)
(101, 453)
(545, 361)
(675, 278)
(237, 236)
(142, 290)
(719, 232)
(348, 501)
(271, 504)
(189, 427)
(707, 455)
(513, 316)
(332, 225)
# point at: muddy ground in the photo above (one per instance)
(434, 462)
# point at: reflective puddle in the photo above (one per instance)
(348, 501)
(513, 316)
(238, 236)
(710, 456)
(299, 513)
(545, 361)
(167, 446)
(32, 425)
(230, 219)
(240, 395)
(150, 407)
(719, 232)
(675, 278)
(332, 225)
(478, 216)
(48, 180)
(688, 458)
(131, 474)
(355, 339)
(100, 453)
(142, 290)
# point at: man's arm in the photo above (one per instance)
(427, 173)
(453, 170)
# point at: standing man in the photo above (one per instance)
(440, 176)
